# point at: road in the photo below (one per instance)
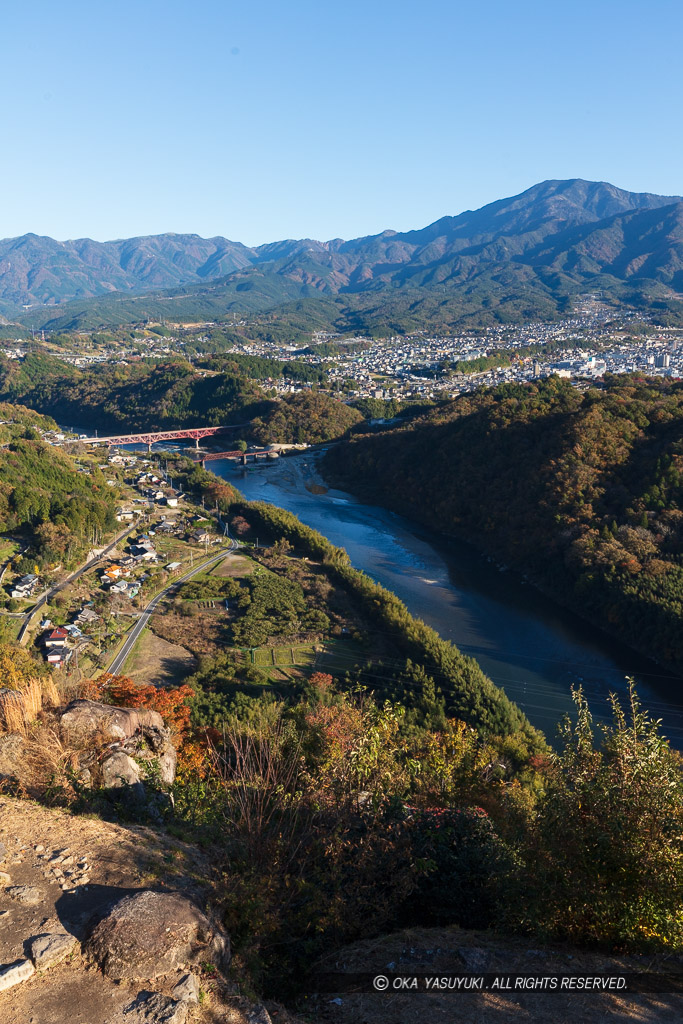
(65, 583)
(119, 661)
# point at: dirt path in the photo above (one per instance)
(64, 870)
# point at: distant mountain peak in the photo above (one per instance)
(565, 225)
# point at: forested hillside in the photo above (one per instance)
(154, 395)
(57, 510)
(583, 491)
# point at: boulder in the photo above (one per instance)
(13, 974)
(187, 988)
(161, 766)
(155, 1008)
(50, 949)
(120, 772)
(133, 731)
(152, 933)
(167, 764)
(91, 720)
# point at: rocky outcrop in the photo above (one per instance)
(30, 895)
(119, 771)
(89, 718)
(138, 746)
(150, 934)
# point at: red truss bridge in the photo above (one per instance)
(193, 433)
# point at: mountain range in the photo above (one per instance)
(523, 256)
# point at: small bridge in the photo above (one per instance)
(261, 453)
(150, 438)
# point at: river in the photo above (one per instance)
(532, 648)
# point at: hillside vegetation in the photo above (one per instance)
(57, 510)
(583, 491)
(161, 395)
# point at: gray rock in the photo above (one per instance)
(156, 1009)
(15, 973)
(156, 767)
(259, 1015)
(93, 720)
(51, 948)
(157, 738)
(26, 894)
(187, 988)
(3, 852)
(151, 933)
(167, 764)
(121, 772)
(5, 879)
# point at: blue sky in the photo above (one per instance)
(269, 119)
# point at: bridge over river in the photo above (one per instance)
(153, 437)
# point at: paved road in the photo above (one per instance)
(119, 661)
(74, 576)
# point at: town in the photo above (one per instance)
(595, 340)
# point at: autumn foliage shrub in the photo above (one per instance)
(171, 703)
(603, 855)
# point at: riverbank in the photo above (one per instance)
(529, 646)
(496, 553)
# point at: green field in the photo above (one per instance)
(326, 656)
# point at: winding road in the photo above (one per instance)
(120, 659)
(44, 598)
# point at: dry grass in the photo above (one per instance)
(51, 764)
(18, 708)
(51, 695)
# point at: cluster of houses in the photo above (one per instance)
(115, 576)
(60, 642)
(121, 460)
(149, 485)
(25, 587)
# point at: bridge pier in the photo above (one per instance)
(196, 442)
(244, 458)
